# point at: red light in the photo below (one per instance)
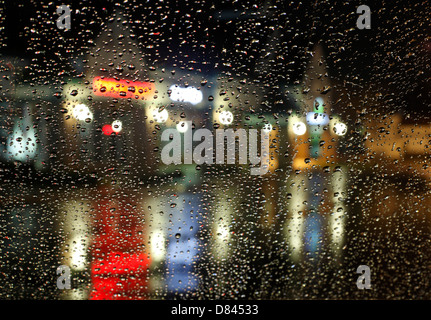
(119, 268)
(108, 87)
(117, 263)
(118, 288)
(107, 130)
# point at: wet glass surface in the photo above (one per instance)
(133, 161)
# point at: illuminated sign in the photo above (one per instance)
(189, 94)
(108, 87)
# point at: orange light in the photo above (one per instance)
(108, 87)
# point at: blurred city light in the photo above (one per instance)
(319, 105)
(107, 129)
(267, 128)
(225, 117)
(117, 126)
(222, 230)
(189, 94)
(340, 128)
(182, 126)
(122, 88)
(337, 219)
(158, 247)
(299, 128)
(314, 118)
(81, 112)
(21, 144)
(160, 116)
(349, 148)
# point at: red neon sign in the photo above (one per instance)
(109, 87)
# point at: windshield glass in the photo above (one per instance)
(215, 150)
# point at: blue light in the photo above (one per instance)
(314, 118)
(183, 247)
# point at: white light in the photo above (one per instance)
(158, 249)
(78, 249)
(160, 116)
(22, 145)
(182, 126)
(295, 232)
(340, 129)
(337, 217)
(225, 117)
(81, 112)
(223, 232)
(295, 225)
(189, 94)
(117, 126)
(76, 227)
(315, 119)
(267, 128)
(299, 128)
